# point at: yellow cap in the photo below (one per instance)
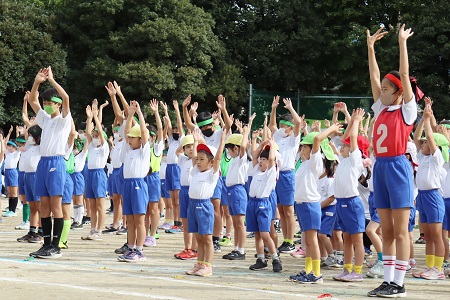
(135, 131)
(187, 140)
(235, 139)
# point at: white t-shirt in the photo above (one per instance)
(203, 183)
(136, 163)
(237, 170)
(162, 169)
(430, 172)
(55, 133)
(373, 160)
(158, 148)
(115, 154)
(31, 158)
(21, 159)
(446, 183)
(262, 183)
(80, 160)
(347, 174)
(306, 179)
(98, 156)
(326, 189)
(288, 148)
(185, 164)
(12, 159)
(364, 196)
(409, 110)
(171, 152)
(214, 139)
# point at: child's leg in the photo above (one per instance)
(273, 233)
(187, 237)
(78, 201)
(445, 241)
(101, 215)
(357, 241)
(161, 205)
(56, 210)
(228, 220)
(217, 219)
(34, 214)
(208, 248)
(12, 195)
(168, 216)
(140, 229)
(312, 251)
(435, 235)
(239, 230)
(176, 204)
(66, 226)
(93, 209)
(131, 234)
(371, 229)
(348, 252)
(154, 217)
(201, 247)
(259, 244)
(147, 220)
(117, 215)
(326, 243)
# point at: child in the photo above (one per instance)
(205, 174)
(396, 111)
(80, 153)
(21, 143)
(259, 209)
(50, 173)
(11, 174)
(432, 156)
(136, 163)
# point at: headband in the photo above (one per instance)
(284, 122)
(116, 128)
(394, 80)
(205, 122)
(56, 99)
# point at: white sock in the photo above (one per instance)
(241, 250)
(389, 267)
(75, 213)
(400, 271)
(80, 213)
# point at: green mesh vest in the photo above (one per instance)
(70, 164)
(155, 161)
(225, 163)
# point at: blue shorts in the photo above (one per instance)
(11, 177)
(337, 227)
(247, 186)
(393, 182)
(117, 181)
(273, 203)
(68, 190)
(173, 177)
(412, 219)
(224, 193)
(200, 216)
(328, 220)
(446, 223)
(309, 215)
(351, 215)
(154, 187)
(96, 184)
(50, 176)
(78, 183)
(110, 182)
(218, 189)
(85, 174)
(164, 192)
(431, 206)
(30, 194)
(258, 216)
(237, 200)
(285, 188)
(372, 210)
(135, 196)
(21, 183)
(184, 201)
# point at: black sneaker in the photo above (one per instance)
(40, 251)
(50, 252)
(25, 238)
(76, 226)
(259, 265)
(373, 293)
(276, 265)
(217, 247)
(393, 290)
(111, 230)
(87, 221)
(237, 256)
(122, 249)
(286, 247)
(227, 256)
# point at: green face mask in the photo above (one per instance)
(49, 109)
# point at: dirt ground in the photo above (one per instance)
(90, 270)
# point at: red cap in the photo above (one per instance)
(211, 150)
(363, 144)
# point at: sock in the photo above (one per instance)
(260, 256)
(65, 231)
(275, 256)
(75, 213)
(47, 230)
(400, 271)
(131, 246)
(208, 264)
(348, 267)
(308, 265)
(26, 213)
(80, 214)
(13, 203)
(40, 231)
(389, 267)
(438, 260)
(316, 266)
(242, 250)
(357, 269)
(380, 256)
(57, 230)
(340, 255)
(322, 259)
(139, 248)
(289, 241)
(32, 230)
(429, 259)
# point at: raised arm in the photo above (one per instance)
(273, 114)
(41, 77)
(122, 98)
(221, 104)
(374, 71)
(271, 153)
(245, 135)
(154, 107)
(219, 153)
(8, 136)
(186, 116)
(179, 120)
(357, 116)
(61, 92)
(403, 36)
(89, 125)
(295, 116)
(98, 124)
(72, 135)
(144, 132)
(427, 115)
(323, 135)
(418, 132)
(25, 118)
(100, 111)
(116, 108)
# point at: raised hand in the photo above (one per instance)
(358, 114)
(89, 112)
(104, 104)
(154, 105)
(255, 134)
(50, 73)
(215, 114)
(238, 124)
(19, 129)
(187, 101)
(252, 117)
(41, 76)
(95, 108)
(133, 108)
(427, 112)
(166, 120)
(428, 101)
(110, 89)
(276, 101)
(164, 106)
(336, 127)
(175, 105)
(221, 103)
(197, 134)
(371, 39)
(117, 88)
(288, 103)
(326, 123)
(404, 34)
(27, 95)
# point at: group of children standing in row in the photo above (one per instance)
(249, 180)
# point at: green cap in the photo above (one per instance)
(442, 142)
(324, 145)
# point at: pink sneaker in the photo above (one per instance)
(343, 274)
(204, 271)
(150, 241)
(418, 274)
(299, 253)
(433, 274)
(352, 277)
(194, 269)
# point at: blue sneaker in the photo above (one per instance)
(9, 214)
(311, 278)
(297, 277)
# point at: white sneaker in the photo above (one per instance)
(150, 241)
(23, 226)
(377, 271)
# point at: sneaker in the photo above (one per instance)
(40, 251)
(418, 274)
(225, 241)
(298, 234)
(329, 262)
(339, 263)
(150, 241)
(217, 246)
(392, 291)
(76, 226)
(122, 250)
(25, 238)
(6, 209)
(188, 254)
(297, 277)
(259, 265)
(276, 265)
(174, 229)
(157, 236)
(251, 235)
(177, 255)
(111, 230)
(165, 226)
(433, 274)
(50, 252)
(96, 236)
(371, 263)
(9, 214)
(204, 271)
(194, 269)
(298, 242)
(299, 253)
(36, 239)
(87, 221)
(236, 255)
(446, 271)
(373, 293)
(311, 278)
(63, 245)
(23, 226)
(377, 271)
(122, 231)
(134, 255)
(340, 276)
(227, 256)
(127, 252)
(421, 240)
(412, 264)
(286, 247)
(368, 253)
(88, 236)
(352, 277)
